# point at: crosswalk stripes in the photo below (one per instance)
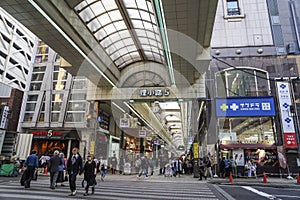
(112, 189)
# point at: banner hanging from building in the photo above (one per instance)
(284, 100)
(245, 107)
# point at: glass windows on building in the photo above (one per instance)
(233, 9)
(56, 106)
(242, 82)
(76, 111)
(246, 130)
(30, 107)
(42, 53)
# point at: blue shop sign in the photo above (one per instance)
(245, 107)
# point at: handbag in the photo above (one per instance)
(66, 178)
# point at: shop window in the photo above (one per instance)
(251, 130)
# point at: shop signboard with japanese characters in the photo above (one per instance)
(245, 107)
(284, 100)
(146, 92)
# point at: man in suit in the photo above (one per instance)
(54, 162)
(74, 167)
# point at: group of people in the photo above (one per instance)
(73, 166)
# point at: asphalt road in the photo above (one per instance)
(261, 193)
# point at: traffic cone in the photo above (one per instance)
(298, 180)
(265, 178)
(230, 177)
(46, 170)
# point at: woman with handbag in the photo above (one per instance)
(90, 171)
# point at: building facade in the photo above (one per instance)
(17, 45)
(255, 49)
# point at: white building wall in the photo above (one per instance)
(16, 52)
(246, 30)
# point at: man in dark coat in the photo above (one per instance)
(54, 162)
(74, 166)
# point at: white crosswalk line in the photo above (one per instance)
(269, 196)
(111, 190)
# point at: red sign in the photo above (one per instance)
(290, 140)
(47, 133)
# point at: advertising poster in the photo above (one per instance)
(238, 156)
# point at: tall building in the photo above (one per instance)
(17, 45)
(55, 107)
(252, 83)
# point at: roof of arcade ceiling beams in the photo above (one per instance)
(115, 34)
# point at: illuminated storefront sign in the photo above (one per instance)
(239, 107)
(154, 92)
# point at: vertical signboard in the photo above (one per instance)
(195, 149)
(284, 100)
(4, 117)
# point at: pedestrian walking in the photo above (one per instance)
(144, 166)
(61, 168)
(152, 164)
(31, 164)
(103, 167)
(90, 172)
(74, 166)
(54, 163)
(121, 164)
(201, 169)
(208, 170)
(233, 166)
(114, 163)
(137, 164)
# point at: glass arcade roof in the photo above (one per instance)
(126, 29)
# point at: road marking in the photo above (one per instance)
(288, 196)
(259, 192)
(225, 194)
